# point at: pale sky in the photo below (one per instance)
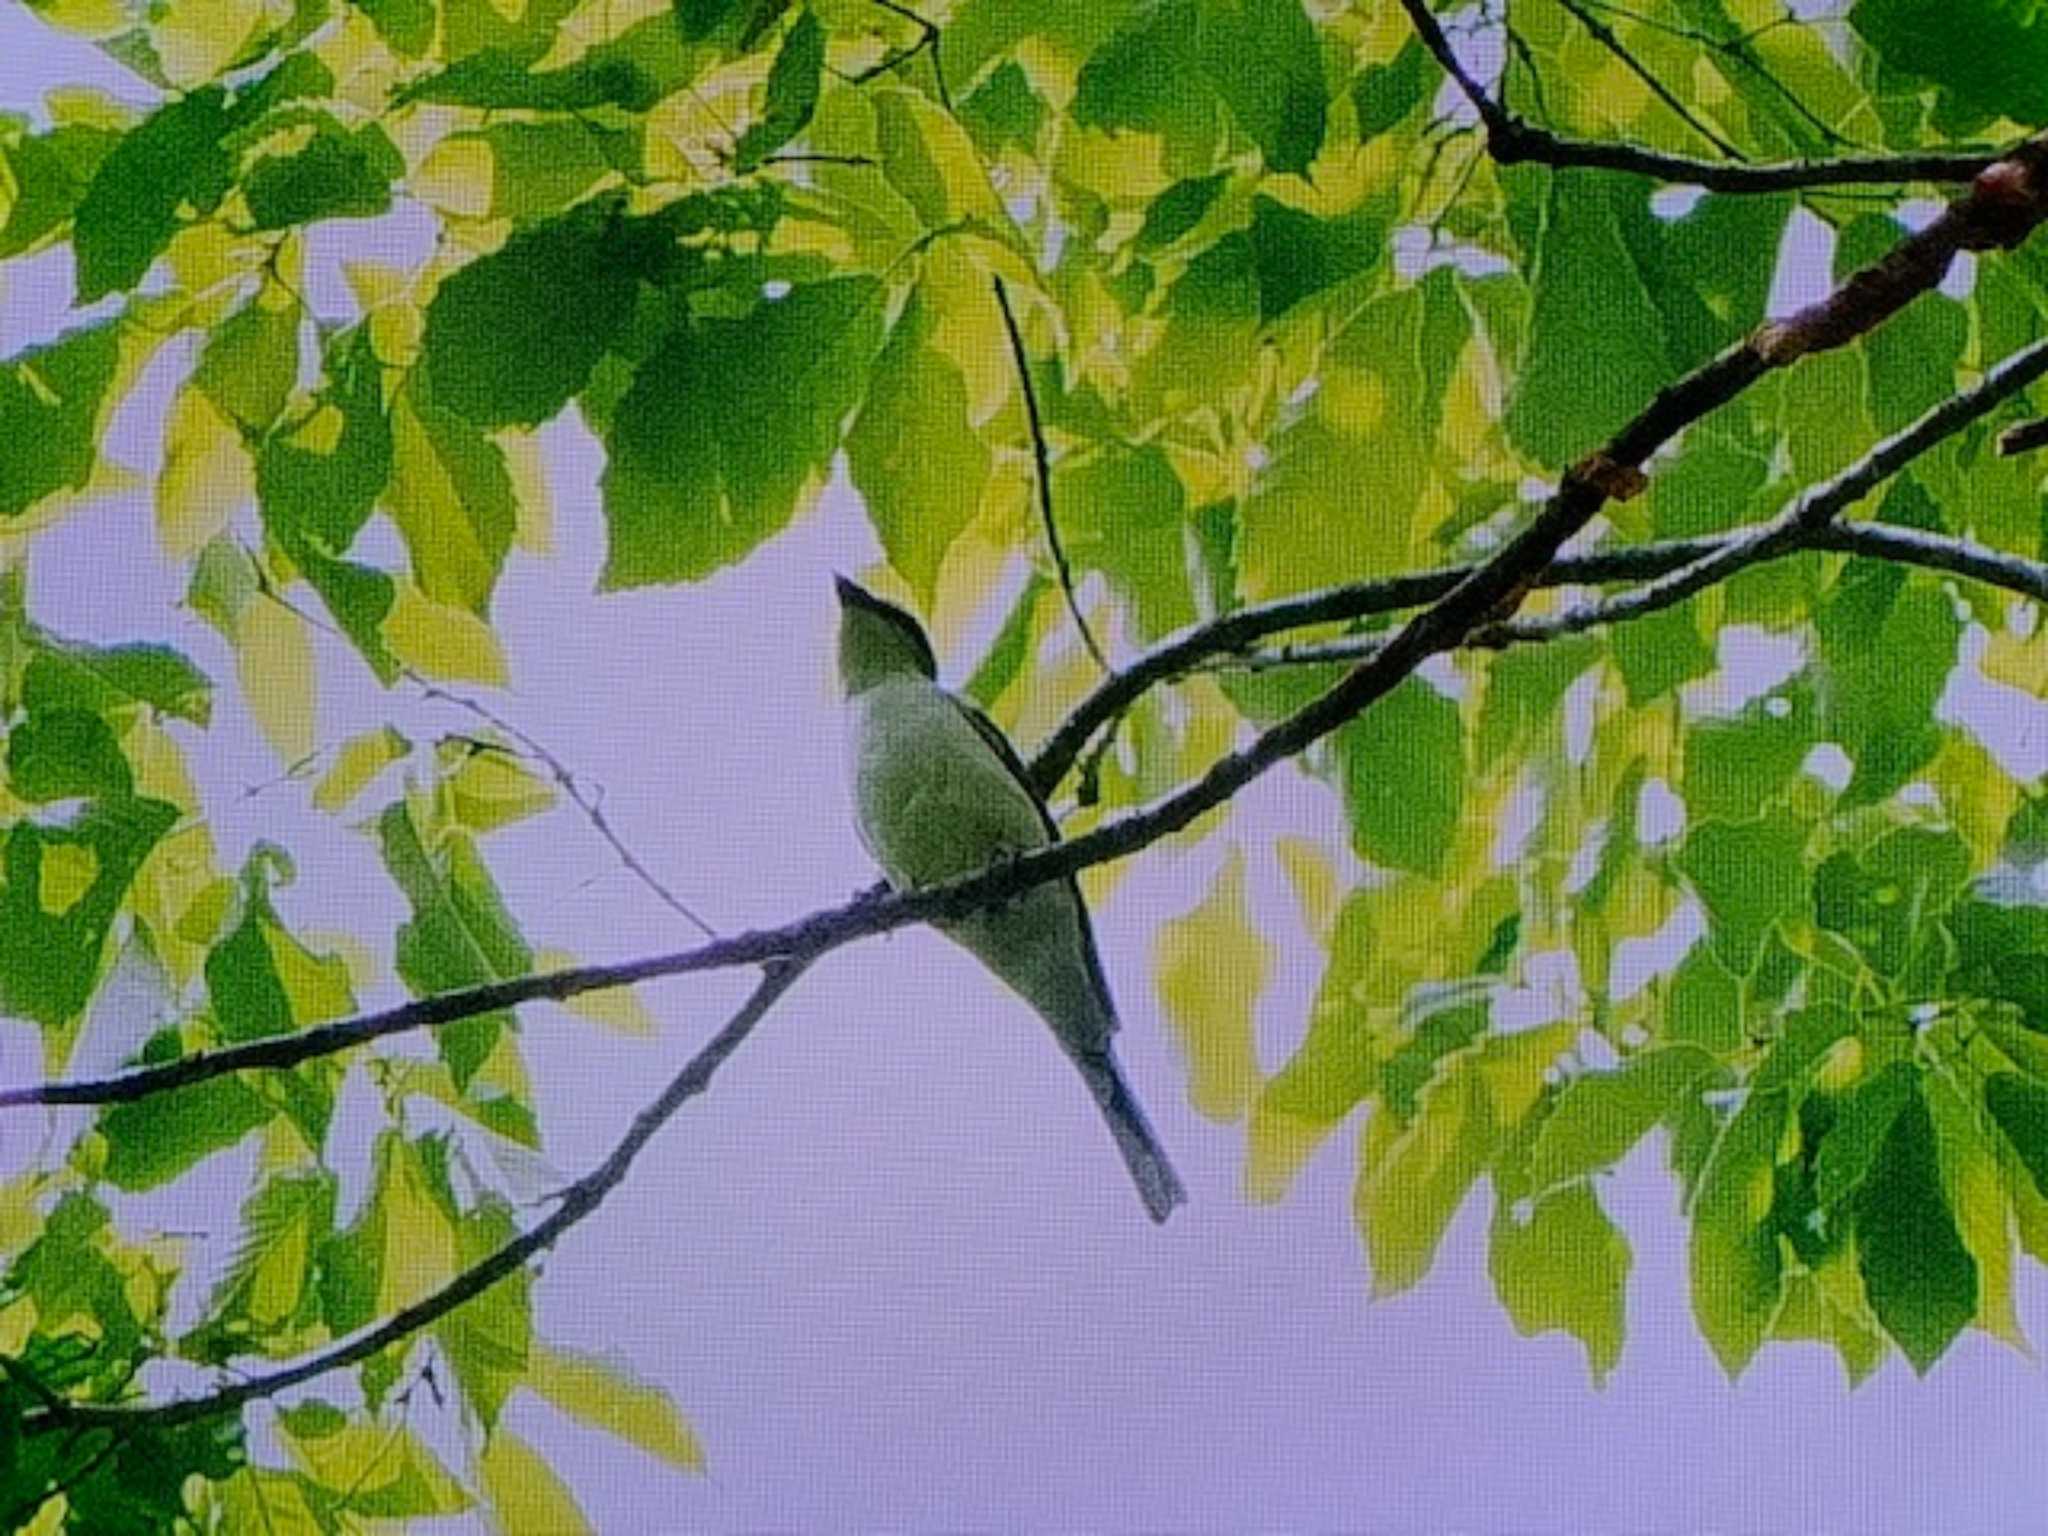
(890, 1265)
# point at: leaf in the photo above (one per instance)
(153, 1140)
(728, 425)
(931, 162)
(2021, 1109)
(635, 70)
(52, 399)
(1861, 1124)
(460, 934)
(1888, 901)
(1403, 765)
(1384, 94)
(1600, 1116)
(1921, 1280)
(63, 883)
(360, 759)
(1298, 255)
(792, 94)
(530, 1500)
(488, 1340)
(56, 754)
(1176, 211)
(1596, 347)
(1660, 651)
(1123, 511)
(1562, 1266)
(251, 361)
(1736, 765)
(339, 174)
(914, 453)
(1004, 110)
(406, 25)
(318, 478)
(1738, 1274)
(130, 208)
(511, 337)
(1413, 1180)
(378, 1471)
(1992, 54)
(267, 1291)
(1747, 874)
(1212, 965)
(50, 172)
(451, 496)
(113, 680)
(610, 1397)
(1262, 57)
(1889, 644)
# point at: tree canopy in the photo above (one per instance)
(1402, 393)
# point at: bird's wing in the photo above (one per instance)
(1006, 754)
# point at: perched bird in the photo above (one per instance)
(940, 793)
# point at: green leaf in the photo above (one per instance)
(338, 174)
(1596, 348)
(2021, 1109)
(318, 478)
(511, 337)
(461, 934)
(489, 1341)
(50, 172)
(1562, 1266)
(153, 1140)
(635, 70)
(1888, 900)
(1123, 511)
(1862, 1122)
(1920, 1278)
(1003, 662)
(1403, 765)
(56, 754)
(1735, 765)
(792, 94)
(1143, 80)
(1262, 57)
(729, 425)
(251, 362)
(452, 498)
(610, 1397)
(1179, 209)
(1384, 94)
(1737, 1272)
(1660, 651)
(1888, 643)
(914, 453)
(268, 1291)
(1601, 1115)
(1991, 54)
(1704, 1005)
(1747, 874)
(130, 209)
(110, 680)
(64, 881)
(406, 25)
(1004, 110)
(1298, 255)
(52, 399)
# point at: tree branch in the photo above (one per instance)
(578, 1201)
(1043, 457)
(1512, 141)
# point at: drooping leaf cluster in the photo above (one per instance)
(1289, 325)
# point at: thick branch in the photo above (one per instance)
(1512, 141)
(576, 1202)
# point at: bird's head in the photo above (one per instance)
(878, 641)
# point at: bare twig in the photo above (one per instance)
(2024, 438)
(1043, 457)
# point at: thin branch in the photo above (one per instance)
(2024, 438)
(1511, 140)
(578, 1201)
(928, 39)
(592, 805)
(1043, 456)
(1604, 35)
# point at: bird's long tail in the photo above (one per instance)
(1158, 1185)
